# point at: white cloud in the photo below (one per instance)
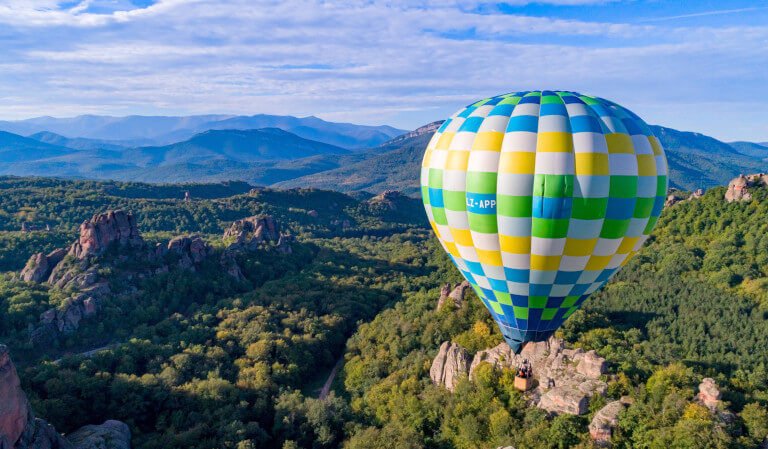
(350, 60)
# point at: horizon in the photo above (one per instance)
(687, 66)
(761, 142)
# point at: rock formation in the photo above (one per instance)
(451, 363)
(386, 199)
(739, 187)
(110, 435)
(429, 128)
(78, 270)
(567, 378)
(284, 244)
(14, 409)
(676, 196)
(457, 294)
(604, 421)
(40, 265)
(250, 232)
(190, 250)
(709, 394)
(103, 230)
(592, 365)
(19, 429)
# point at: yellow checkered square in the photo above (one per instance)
(457, 160)
(515, 245)
(517, 162)
(445, 141)
(591, 164)
(646, 165)
(545, 263)
(619, 143)
(489, 257)
(555, 142)
(597, 263)
(579, 247)
(488, 141)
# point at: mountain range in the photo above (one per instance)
(138, 130)
(290, 152)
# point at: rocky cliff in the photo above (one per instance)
(252, 231)
(20, 429)
(450, 365)
(566, 379)
(103, 230)
(739, 189)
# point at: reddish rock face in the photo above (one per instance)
(14, 409)
(709, 394)
(98, 233)
(739, 187)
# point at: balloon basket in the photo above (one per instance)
(523, 383)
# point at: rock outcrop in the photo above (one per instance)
(110, 435)
(103, 230)
(604, 421)
(456, 294)
(739, 187)
(592, 365)
(250, 232)
(429, 128)
(676, 196)
(567, 378)
(284, 244)
(386, 199)
(78, 271)
(14, 409)
(65, 319)
(19, 429)
(190, 250)
(450, 364)
(40, 265)
(709, 393)
(564, 400)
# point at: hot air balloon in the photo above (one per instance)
(539, 198)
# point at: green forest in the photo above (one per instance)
(199, 360)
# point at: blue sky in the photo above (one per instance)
(691, 65)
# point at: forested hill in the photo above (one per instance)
(192, 355)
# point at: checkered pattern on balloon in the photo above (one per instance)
(539, 198)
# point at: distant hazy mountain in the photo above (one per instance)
(262, 156)
(268, 144)
(77, 143)
(159, 130)
(15, 148)
(758, 150)
(695, 161)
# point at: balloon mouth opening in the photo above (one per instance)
(516, 338)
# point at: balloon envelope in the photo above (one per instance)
(539, 198)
